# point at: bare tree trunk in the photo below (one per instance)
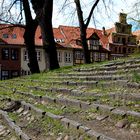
(44, 10)
(82, 32)
(83, 28)
(29, 37)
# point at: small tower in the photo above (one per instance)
(122, 18)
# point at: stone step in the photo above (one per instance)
(68, 123)
(78, 93)
(13, 126)
(84, 105)
(91, 78)
(101, 73)
(111, 68)
(74, 124)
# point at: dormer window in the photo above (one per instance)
(94, 44)
(59, 40)
(5, 36)
(78, 42)
(14, 36)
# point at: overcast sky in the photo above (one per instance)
(101, 16)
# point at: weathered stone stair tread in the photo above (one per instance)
(68, 123)
(4, 131)
(64, 101)
(71, 92)
(91, 78)
(110, 68)
(103, 73)
(74, 84)
(13, 126)
(85, 105)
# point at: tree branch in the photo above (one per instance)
(27, 11)
(91, 12)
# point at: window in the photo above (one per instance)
(5, 53)
(123, 41)
(78, 42)
(93, 44)
(119, 39)
(59, 40)
(123, 29)
(59, 55)
(129, 50)
(116, 50)
(25, 56)
(128, 39)
(5, 36)
(96, 56)
(124, 50)
(14, 73)
(5, 74)
(79, 55)
(68, 57)
(120, 50)
(103, 56)
(38, 54)
(14, 54)
(26, 72)
(14, 36)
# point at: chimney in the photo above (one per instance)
(104, 31)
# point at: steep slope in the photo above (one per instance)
(100, 101)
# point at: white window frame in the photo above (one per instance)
(78, 55)
(103, 57)
(59, 56)
(38, 55)
(68, 57)
(96, 56)
(25, 55)
(93, 44)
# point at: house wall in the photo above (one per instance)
(10, 67)
(65, 57)
(63, 61)
(24, 63)
(123, 42)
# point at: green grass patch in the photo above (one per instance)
(135, 77)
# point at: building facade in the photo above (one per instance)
(10, 57)
(103, 45)
(122, 42)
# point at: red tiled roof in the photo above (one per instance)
(72, 33)
(136, 32)
(109, 34)
(10, 31)
(2, 41)
(68, 34)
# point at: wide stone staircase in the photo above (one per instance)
(94, 102)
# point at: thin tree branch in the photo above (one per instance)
(91, 12)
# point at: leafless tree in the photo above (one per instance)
(83, 28)
(44, 11)
(135, 14)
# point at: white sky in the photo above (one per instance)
(101, 16)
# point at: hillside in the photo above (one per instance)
(87, 102)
